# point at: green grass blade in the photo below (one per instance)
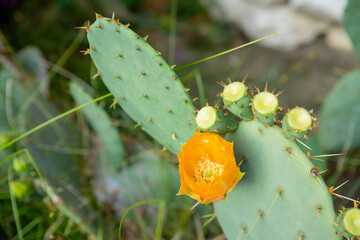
(11, 50)
(14, 206)
(51, 121)
(56, 224)
(50, 194)
(200, 86)
(225, 52)
(31, 159)
(160, 217)
(30, 226)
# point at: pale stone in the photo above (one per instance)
(256, 21)
(331, 10)
(267, 2)
(296, 29)
(338, 39)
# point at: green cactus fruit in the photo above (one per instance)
(21, 189)
(144, 85)
(280, 197)
(20, 164)
(211, 119)
(236, 100)
(347, 223)
(265, 106)
(297, 123)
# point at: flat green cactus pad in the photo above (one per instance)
(351, 22)
(339, 117)
(144, 85)
(278, 198)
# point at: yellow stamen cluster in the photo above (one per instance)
(207, 171)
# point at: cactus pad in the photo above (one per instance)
(144, 85)
(339, 117)
(278, 198)
(351, 22)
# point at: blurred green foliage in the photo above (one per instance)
(44, 48)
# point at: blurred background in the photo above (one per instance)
(95, 173)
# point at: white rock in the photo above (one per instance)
(258, 21)
(296, 29)
(227, 10)
(331, 10)
(338, 39)
(267, 2)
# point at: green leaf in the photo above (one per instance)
(103, 127)
(339, 118)
(351, 22)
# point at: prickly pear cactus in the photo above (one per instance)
(278, 197)
(144, 85)
(281, 196)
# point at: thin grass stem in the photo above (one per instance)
(160, 217)
(225, 52)
(14, 205)
(51, 121)
(200, 86)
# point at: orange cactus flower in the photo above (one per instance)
(207, 168)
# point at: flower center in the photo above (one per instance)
(207, 171)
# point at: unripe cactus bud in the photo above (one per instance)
(236, 101)
(210, 119)
(347, 223)
(265, 107)
(296, 123)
